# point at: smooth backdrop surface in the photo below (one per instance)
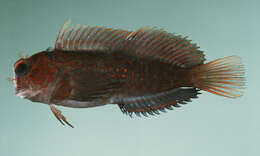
(210, 125)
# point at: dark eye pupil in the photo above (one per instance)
(21, 69)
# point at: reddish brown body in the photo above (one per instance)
(65, 74)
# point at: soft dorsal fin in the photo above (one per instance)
(167, 47)
(89, 37)
(145, 42)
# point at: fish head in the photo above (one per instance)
(32, 76)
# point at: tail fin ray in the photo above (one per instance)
(224, 77)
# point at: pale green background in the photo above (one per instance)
(209, 126)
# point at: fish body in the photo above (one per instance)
(66, 78)
(144, 72)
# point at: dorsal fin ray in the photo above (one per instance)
(145, 42)
(89, 38)
(170, 48)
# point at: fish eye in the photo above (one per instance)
(21, 69)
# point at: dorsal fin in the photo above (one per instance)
(167, 47)
(89, 38)
(145, 42)
(152, 104)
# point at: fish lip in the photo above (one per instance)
(27, 93)
(21, 93)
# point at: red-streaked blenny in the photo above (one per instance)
(143, 72)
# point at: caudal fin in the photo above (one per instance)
(224, 77)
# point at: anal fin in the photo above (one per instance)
(153, 104)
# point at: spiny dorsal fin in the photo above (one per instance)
(89, 38)
(167, 47)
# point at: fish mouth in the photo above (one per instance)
(23, 93)
(27, 93)
(20, 91)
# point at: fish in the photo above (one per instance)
(144, 72)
